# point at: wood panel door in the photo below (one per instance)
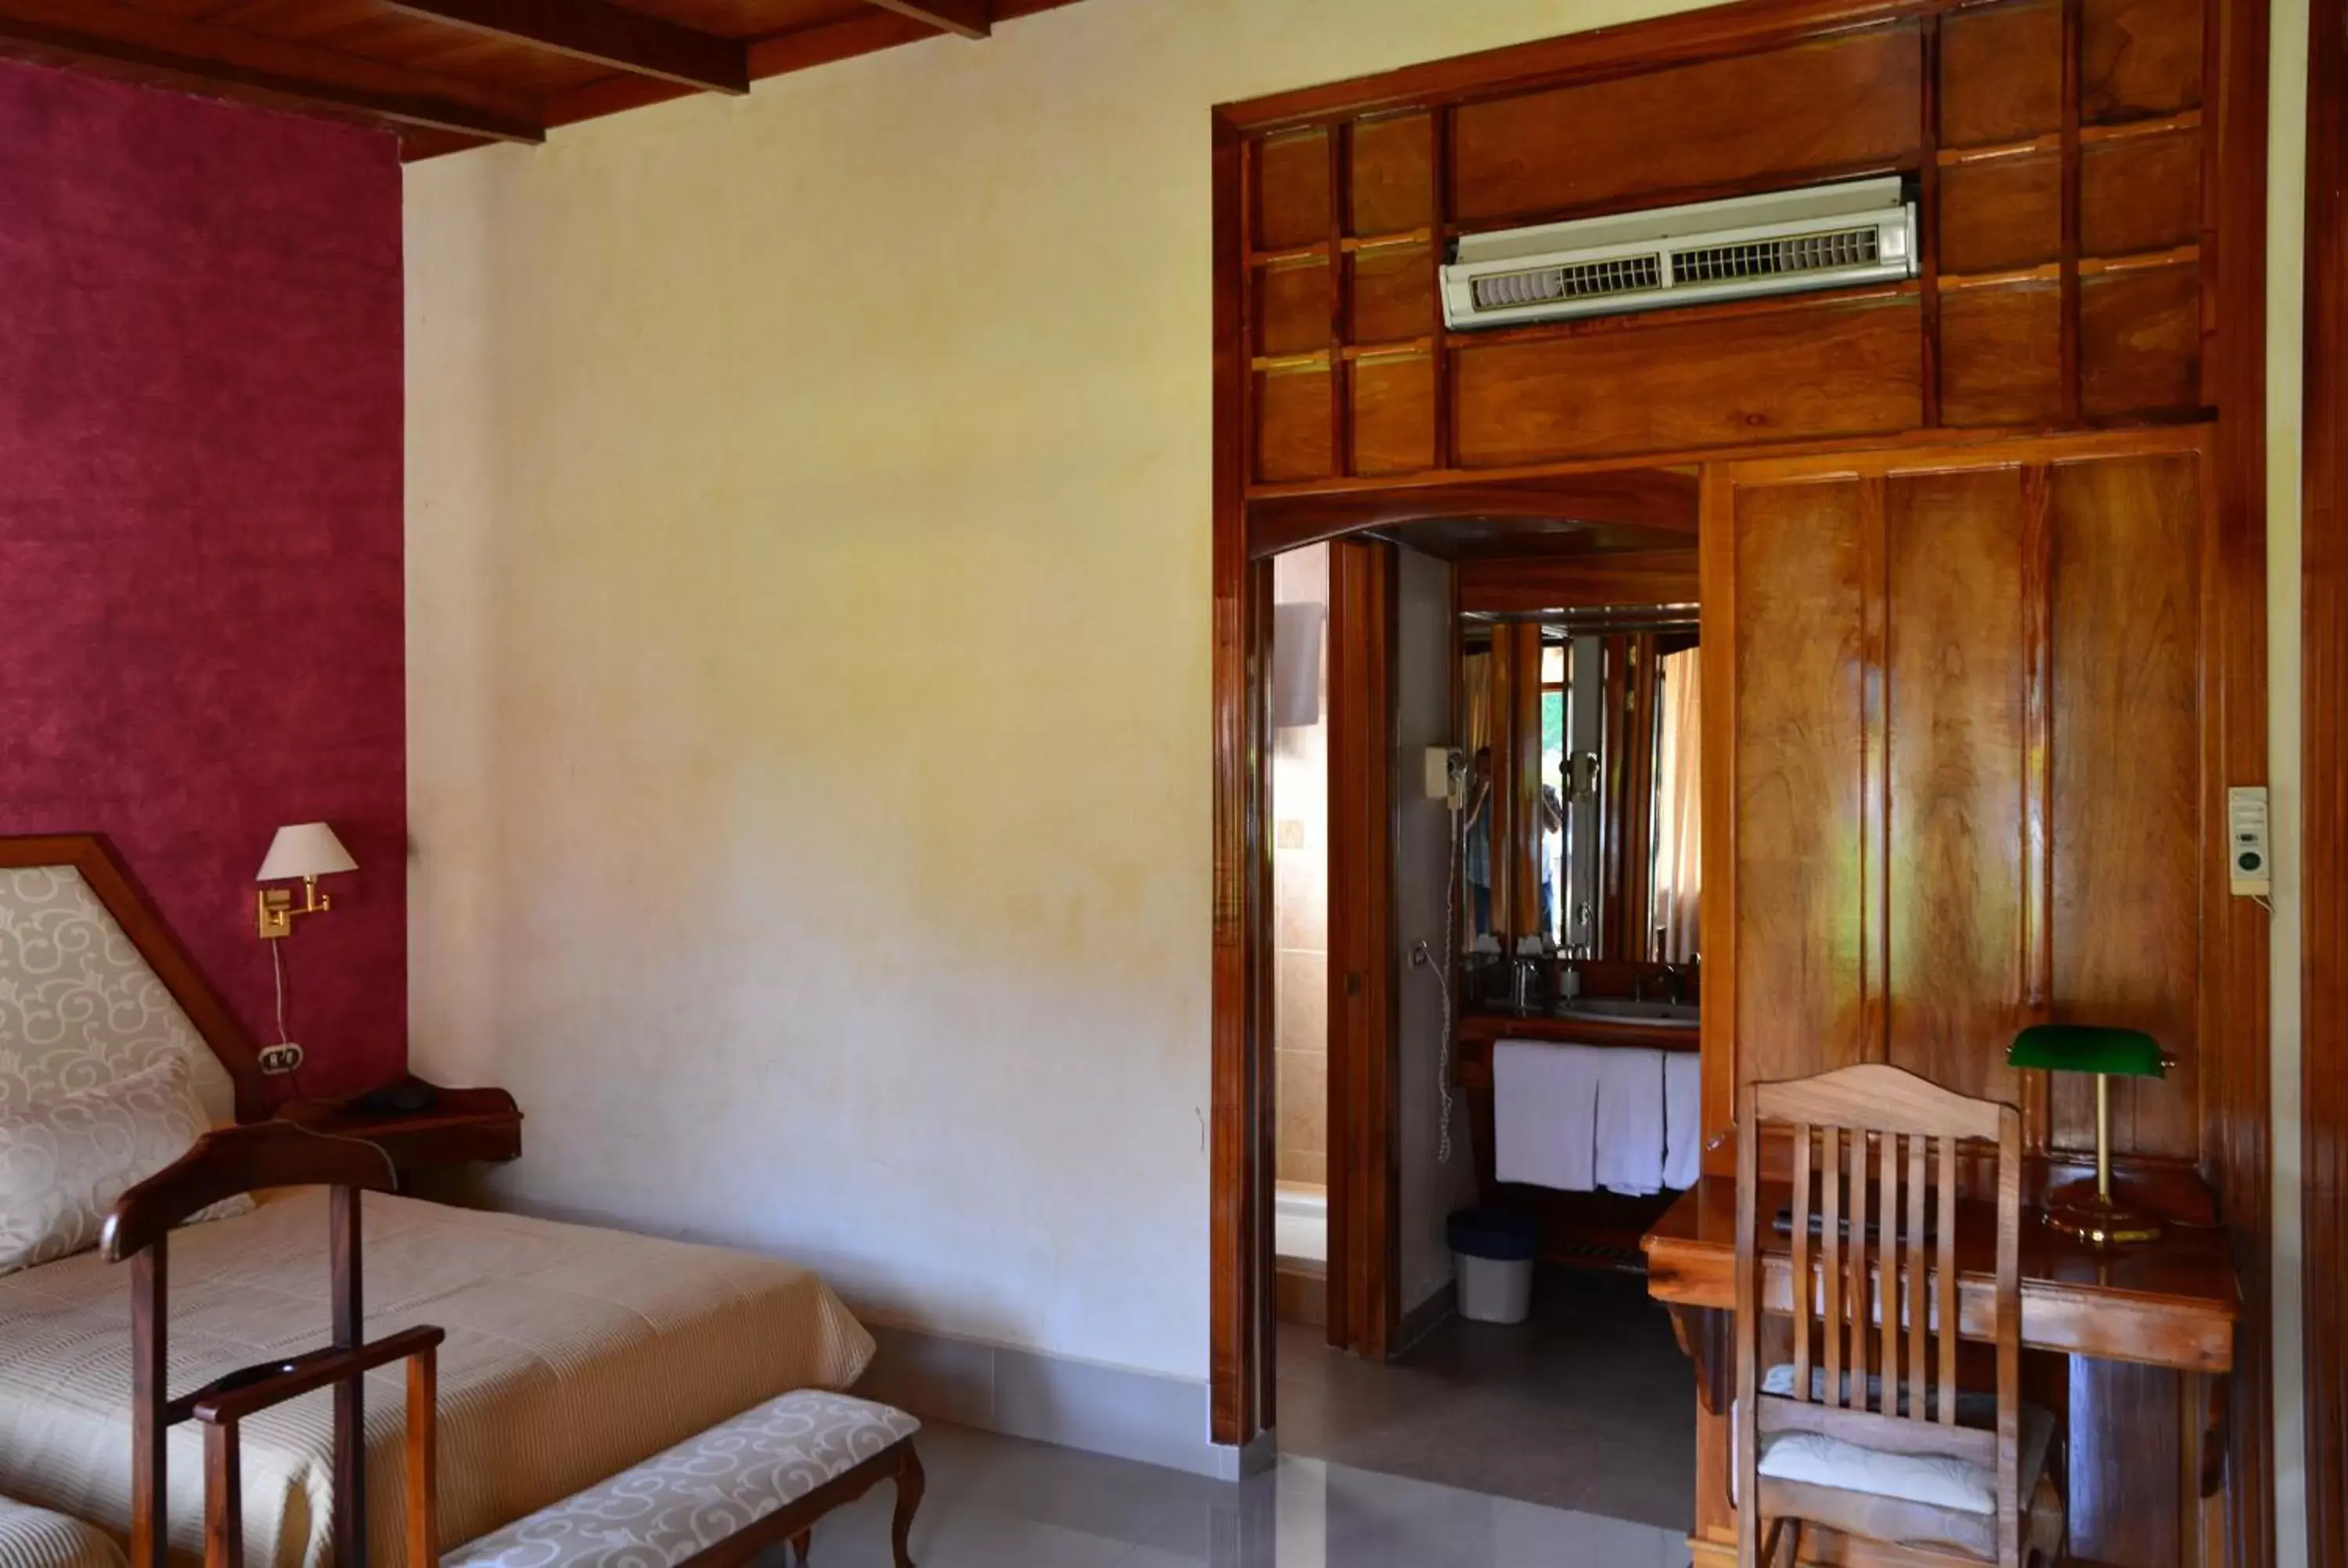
(1960, 726)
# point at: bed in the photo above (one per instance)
(572, 1352)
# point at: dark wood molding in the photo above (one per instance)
(1526, 586)
(93, 857)
(1240, 1295)
(1365, 1026)
(965, 18)
(2237, 1101)
(108, 38)
(607, 34)
(2323, 878)
(1662, 501)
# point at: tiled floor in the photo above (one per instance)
(1589, 1406)
(1000, 1502)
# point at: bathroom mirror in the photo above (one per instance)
(1582, 824)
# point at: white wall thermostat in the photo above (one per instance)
(2249, 866)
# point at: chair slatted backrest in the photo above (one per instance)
(223, 1165)
(1875, 1300)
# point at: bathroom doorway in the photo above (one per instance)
(1389, 674)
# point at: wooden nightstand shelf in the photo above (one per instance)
(460, 1127)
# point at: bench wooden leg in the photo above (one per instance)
(911, 1483)
(800, 1543)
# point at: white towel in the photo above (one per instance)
(1544, 1113)
(1631, 1121)
(1682, 1119)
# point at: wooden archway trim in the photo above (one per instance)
(2323, 761)
(93, 855)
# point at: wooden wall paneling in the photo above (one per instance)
(1364, 1276)
(1956, 665)
(2141, 192)
(2001, 73)
(1393, 184)
(2140, 338)
(2139, 58)
(1697, 377)
(1392, 294)
(2127, 825)
(1929, 264)
(1294, 437)
(1292, 197)
(2001, 211)
(1393, 420)
(2001, 350)
(1793, 645)
(1291, 307)
(1339, 300)
(1446, 361)
(2323, 881)
(1837, 105)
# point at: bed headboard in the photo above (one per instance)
(94, 986)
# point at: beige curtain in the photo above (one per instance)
(1679, 813)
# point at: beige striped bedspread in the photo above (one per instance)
(572, 1353)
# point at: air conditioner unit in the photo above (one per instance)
(1829, 237)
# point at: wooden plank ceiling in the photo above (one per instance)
(448, 75)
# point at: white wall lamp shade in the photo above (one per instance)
(304, 849)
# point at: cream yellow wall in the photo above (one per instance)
(808, 734)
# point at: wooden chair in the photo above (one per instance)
(1866, 1432)
(223, 1165)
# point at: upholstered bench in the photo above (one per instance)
(36, 1538)
(719, 1499)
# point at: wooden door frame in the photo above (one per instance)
(1365, 1021)
(2324, 774)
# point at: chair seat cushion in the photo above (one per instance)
(1817, 1460)
(36, 1538)
(687, 1500)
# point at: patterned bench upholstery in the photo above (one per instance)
(36, 1538)
(720, 1498)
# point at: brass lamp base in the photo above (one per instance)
(2099, 1221)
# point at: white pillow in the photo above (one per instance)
(65, 1160)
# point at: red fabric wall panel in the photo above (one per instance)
(201, 602)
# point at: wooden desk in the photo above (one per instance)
(2171, 1305)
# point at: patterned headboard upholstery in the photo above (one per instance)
(93, 986)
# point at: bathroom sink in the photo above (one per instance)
(1619, 1010)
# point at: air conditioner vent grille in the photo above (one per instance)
(1794, 254)
(1579, 280)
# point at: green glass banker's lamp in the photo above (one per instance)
(2087, 1048)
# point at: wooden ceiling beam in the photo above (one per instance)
(608, 35)
(106, 37)
(969, 18)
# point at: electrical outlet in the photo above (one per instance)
(278, 1059)
(1421, 955)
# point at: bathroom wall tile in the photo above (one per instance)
(1300, 1085)
(1307, 1167)
(1300, 1001)
(1300, 893)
